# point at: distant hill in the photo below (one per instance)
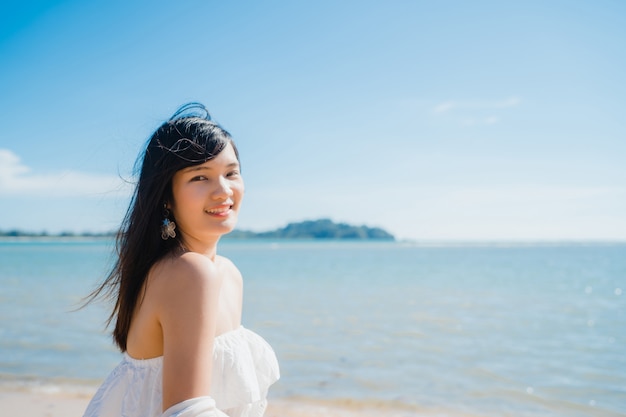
(309, 229)
(21, 233)
(316, 229)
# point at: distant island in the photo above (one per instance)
(22, 233)
(316, 229)
(308, 229)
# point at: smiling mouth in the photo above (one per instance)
(219, 211)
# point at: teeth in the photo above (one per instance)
(218, 211)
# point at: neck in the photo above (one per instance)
(204, 247)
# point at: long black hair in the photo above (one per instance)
(188, 138)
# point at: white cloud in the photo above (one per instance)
(474, 113)
(450, 105)
(486, 121)
(445, 106)
(491, 120)
(17, 179)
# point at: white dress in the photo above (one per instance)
(244, 367)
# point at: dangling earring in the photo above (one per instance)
(168, 226)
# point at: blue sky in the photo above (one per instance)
(445, 120)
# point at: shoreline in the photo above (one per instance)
(425, 243)
(58, 403)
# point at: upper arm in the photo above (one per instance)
(188, 317)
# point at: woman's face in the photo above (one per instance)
(207, 197)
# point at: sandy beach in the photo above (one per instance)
(49, 404)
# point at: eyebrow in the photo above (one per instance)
(233, 164)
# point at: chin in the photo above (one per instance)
(227, 227)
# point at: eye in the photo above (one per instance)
(198, 178)
(233, 173)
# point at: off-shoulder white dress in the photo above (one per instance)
(244, 367)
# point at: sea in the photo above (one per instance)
(481, 329)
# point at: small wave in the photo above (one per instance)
(349, 407)
(52, 386)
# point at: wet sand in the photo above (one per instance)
(45, 404)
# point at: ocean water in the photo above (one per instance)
(489, 330)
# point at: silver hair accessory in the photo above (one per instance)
(168, 226)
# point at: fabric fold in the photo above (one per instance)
(244, 367)
(194, 407)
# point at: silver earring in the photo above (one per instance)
(168, 226)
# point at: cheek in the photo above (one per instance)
(240, 189)
(186, 197)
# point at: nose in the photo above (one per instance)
(222, 189)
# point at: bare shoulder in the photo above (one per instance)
(184, 275)
(228, 268)
(227, 264)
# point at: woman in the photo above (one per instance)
(178, 304)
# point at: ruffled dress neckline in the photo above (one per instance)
(244, 367)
